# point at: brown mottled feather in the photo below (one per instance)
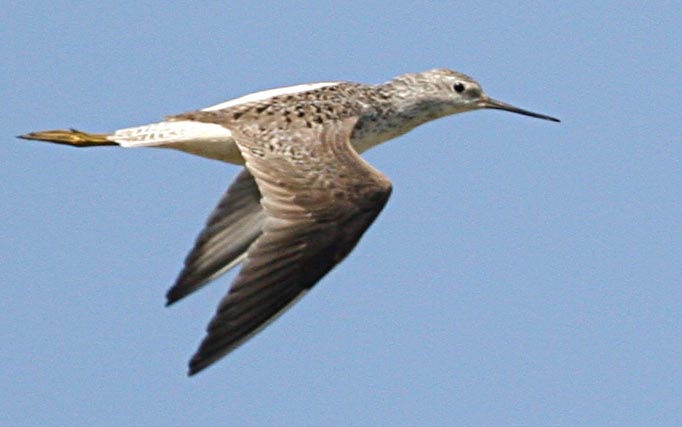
(315, 215)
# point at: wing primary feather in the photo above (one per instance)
(234, 224)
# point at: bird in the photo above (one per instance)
(304, 197)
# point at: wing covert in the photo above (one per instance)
(319, 197)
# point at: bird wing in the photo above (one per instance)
(319, 197)
(230, 229)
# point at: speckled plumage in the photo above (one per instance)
(305, 197)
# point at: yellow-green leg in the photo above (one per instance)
(72, 137)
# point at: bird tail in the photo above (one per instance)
(72, 137)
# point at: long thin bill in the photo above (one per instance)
(499, 105)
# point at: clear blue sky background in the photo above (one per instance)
(524, 273)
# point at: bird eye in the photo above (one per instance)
(458, 87)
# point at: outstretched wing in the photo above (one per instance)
(234, 224)
(319, 197)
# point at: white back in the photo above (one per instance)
(265, 94)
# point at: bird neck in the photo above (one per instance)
(408, 106)
(393, 110)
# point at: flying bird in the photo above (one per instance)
(304, 197)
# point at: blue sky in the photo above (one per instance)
(524, 273)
